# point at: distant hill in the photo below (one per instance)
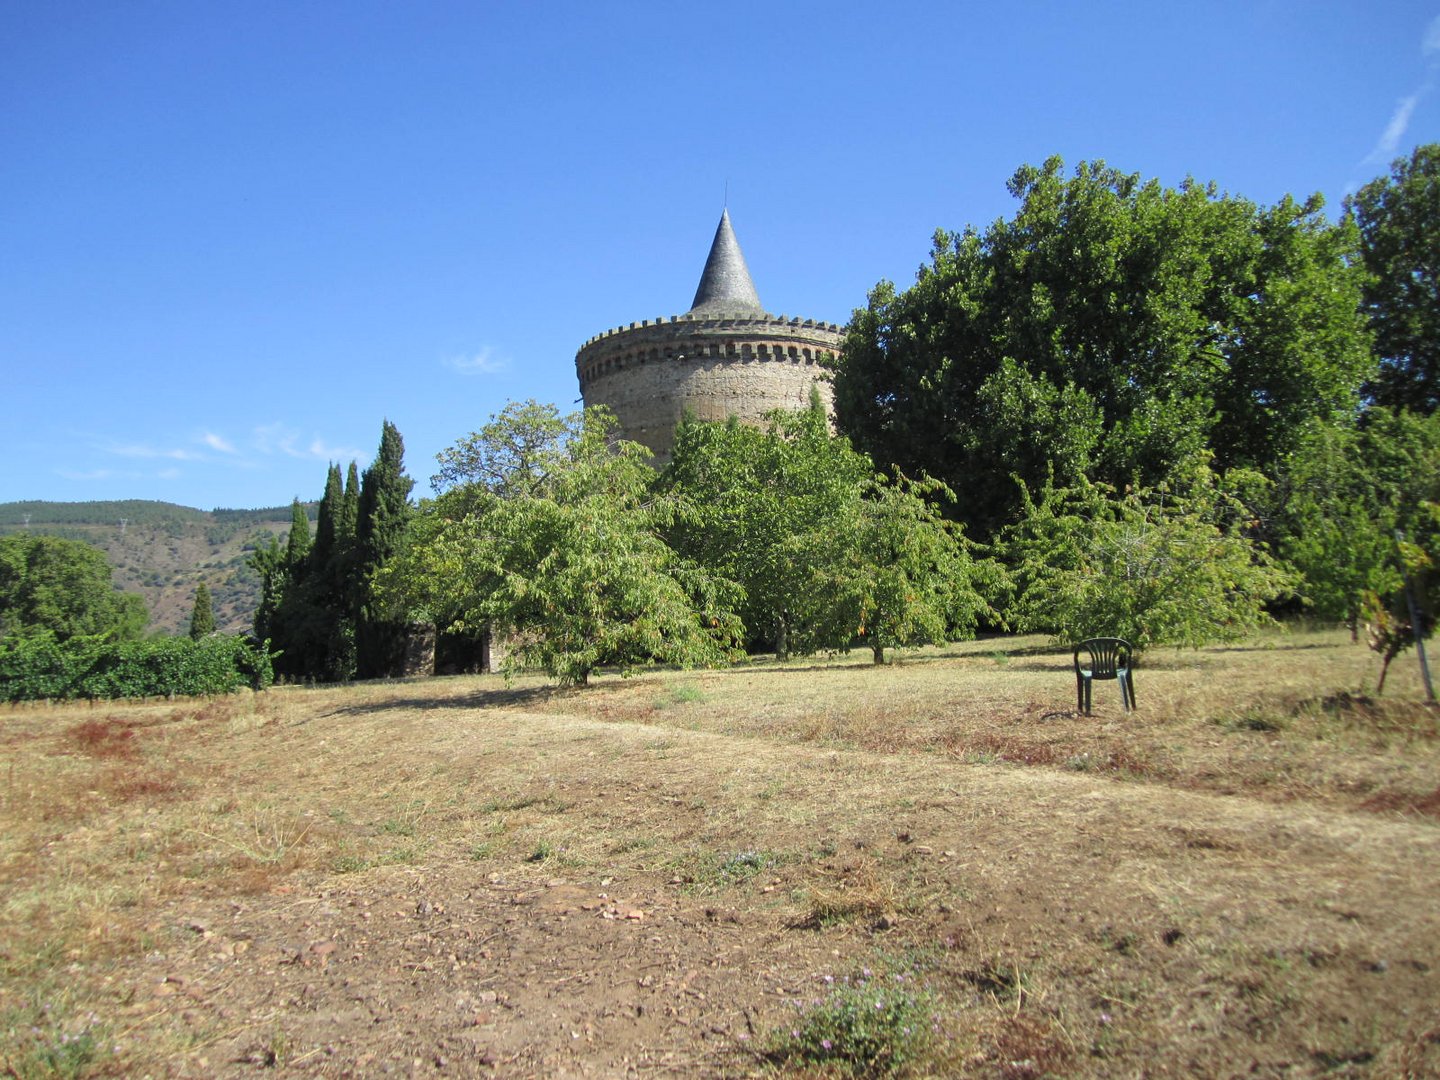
(163, 551)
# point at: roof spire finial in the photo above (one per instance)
(725, 286)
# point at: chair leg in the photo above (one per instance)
(1085, 695)
(1130, 685)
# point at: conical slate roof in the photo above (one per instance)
(725, 286)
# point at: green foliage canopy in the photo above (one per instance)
(1341, 497)
(382, 515)
(1399, 221)
(570, 568)
(1156, 566)
(202, 614)
(43, 668)
(822, 549)
(61, 588)
(754, 498)
(1114, 329)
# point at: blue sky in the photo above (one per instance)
(234, 237)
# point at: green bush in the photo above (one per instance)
(864, 1028)
(92, 667)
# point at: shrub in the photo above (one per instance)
(92, 667)
(865, 1028)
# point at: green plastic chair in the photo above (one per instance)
(1106, 658)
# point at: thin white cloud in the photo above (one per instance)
(279, 439)
(1392, 138)
(1394, 131)
(487, 361)
(92, 474)
(171, 473)
(218, 442)
(141, 450)
(323, 450)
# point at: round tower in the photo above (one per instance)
(724, 357)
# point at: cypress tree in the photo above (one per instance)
(202, 615)
(269, 563)
(330, 566)
(325, 524)
(339, 577)
(297, 545)
(349, 512)
(383, 513)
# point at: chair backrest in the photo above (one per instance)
(1108, 656)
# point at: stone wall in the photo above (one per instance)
(649, 373)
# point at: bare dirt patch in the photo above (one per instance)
(667, 875)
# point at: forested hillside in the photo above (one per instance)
(162, 551)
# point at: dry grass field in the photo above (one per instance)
(935, 867)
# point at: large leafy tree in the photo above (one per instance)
(1115, 330)
(824, 551)
(1344, 501)
(752, 495)
(515, 453)
(566, 562)
(58, 587)
(1399, 220)
(1343, 495)
(890, 570)
(1170, 565)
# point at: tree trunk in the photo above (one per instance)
(879, 651)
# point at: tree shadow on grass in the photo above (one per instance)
(502, 697)
(1275, 647)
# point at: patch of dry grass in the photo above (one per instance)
(1222, 867)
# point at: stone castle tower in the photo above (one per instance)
(724, 357)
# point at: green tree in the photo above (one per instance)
(1156, 566)
(58, 587)
(284, 616)
(1340, 499)
(572, 568)
(297, 541)
(202, 614)
(1342, 502)
(1399, 220)
(331, 577)
(749, 494)
(383, 513)
(515, 453)
(891, 571)
(268, 562)
(1114, 329)
(822, 550)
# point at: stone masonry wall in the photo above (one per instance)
(649, 373)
